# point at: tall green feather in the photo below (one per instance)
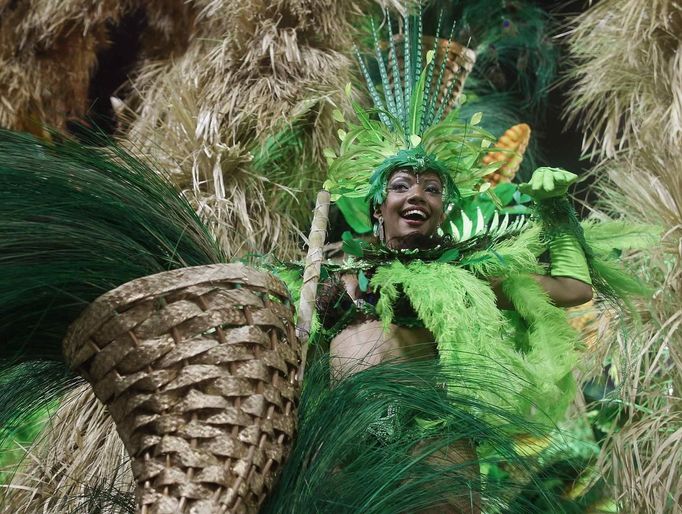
(418, 44)
(407, 78)
(429, 80)
(433, 101)
(373, 93)
(395, 71)
(417, 103)
(385, 84)
(76, 222)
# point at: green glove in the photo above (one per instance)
(566, 255)
(548, 183)
(567, 259)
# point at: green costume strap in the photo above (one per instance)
(567, 258)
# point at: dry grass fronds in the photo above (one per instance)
(627, 77)
(47, 56)
(253, 67)
(279, 39)
(595, 322)
(44, 22)
(644, 457)
(48, 52)
(78, 454)
(315, 19)
(645, 187)
(215, 176)
(169, 27)
(245, 78)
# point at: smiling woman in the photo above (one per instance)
(413, 211)
(410, 215)
(414, 204)
(484, 310)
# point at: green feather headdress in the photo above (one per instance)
(414, 128)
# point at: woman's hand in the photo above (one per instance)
(548, 183)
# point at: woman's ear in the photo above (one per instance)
(377, 213)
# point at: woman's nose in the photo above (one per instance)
(416, 193)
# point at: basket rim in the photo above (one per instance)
(105, 306)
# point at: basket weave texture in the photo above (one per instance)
(198, 369)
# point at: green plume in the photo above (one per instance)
(77, 222)
(371, 442)
(606, 236)
(460, 310)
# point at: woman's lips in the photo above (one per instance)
(414, 223)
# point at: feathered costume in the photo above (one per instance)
(382, 439)
(449, 286)
(500, 372)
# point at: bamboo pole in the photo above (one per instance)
(311, 274)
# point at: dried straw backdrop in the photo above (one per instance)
(628, 99)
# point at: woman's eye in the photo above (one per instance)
(400, 186)
(435, 190)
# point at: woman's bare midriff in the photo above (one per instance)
(366, 344)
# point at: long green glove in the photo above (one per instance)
(548, 183)
(567, 259)
(566, 255)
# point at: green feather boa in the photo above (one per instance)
(535, 344)
(460, 310)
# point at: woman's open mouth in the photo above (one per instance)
(414, 217)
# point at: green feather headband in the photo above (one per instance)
(413, 129)
(417, 160)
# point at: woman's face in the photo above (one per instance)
(414, 204)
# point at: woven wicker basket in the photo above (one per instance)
(198, 369)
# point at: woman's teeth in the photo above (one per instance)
(415, 214)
